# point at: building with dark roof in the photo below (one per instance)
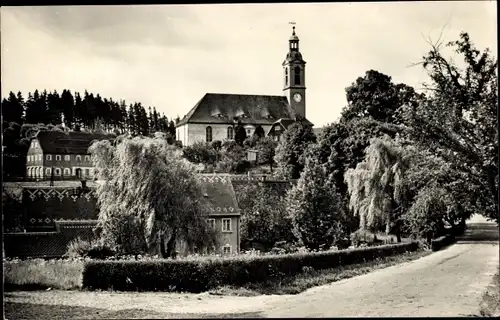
(216, 115)
(65, 154)
(224, 211)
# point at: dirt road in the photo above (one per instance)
(446, 283)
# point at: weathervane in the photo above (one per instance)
(292, 23)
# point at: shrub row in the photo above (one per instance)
(441, 242)
(205, 274)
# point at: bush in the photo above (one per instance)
(199, 275)
(441, 242)
(94, 249)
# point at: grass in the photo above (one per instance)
(312, 278)
(490, 303)
(41, 274)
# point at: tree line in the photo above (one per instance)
(78, 111)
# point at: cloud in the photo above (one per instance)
(110, 26)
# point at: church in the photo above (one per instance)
(216, 115)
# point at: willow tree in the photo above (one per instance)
(147, 194)
(375, 185)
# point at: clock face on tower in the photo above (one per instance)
(297, 97)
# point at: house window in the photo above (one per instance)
(297, 75)
(48, 171)
(57, 171)
(58, 157)
(226, 249)
(211, 223)
(226, 225)
(87, 158)
(67, 172)
(230, 133)
(67, 157)
(87, 172)
(78, 158)
(48, 157)
(209, 134)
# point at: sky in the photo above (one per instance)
(169, 56)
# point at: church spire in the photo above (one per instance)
(294, 40)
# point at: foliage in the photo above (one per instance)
(434, 192)
(141, 207)
(342, 146)
(458, 121)
(264, 219)
(251, 141)
(259, 132)
(290, 153)
(315, 208)
(377, 97)
(200, 152)
(267, 151)
(94, 249)
(232, 158)
(240, 134)
(375, 186)
(198, 275)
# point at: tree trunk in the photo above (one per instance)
(161, 238)
(171, 244)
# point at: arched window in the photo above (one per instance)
(48, 172)
(286, 76)
(57, 171)
(78, 172)
(209, 134)
(297, 75)
(230, 133)
(67, 172)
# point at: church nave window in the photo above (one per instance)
(209, 134)
(230, 133)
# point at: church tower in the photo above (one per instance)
(294, 68)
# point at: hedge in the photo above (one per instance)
(441, 242)
(204, 274)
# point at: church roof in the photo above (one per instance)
(225, 108)
(68, 142)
